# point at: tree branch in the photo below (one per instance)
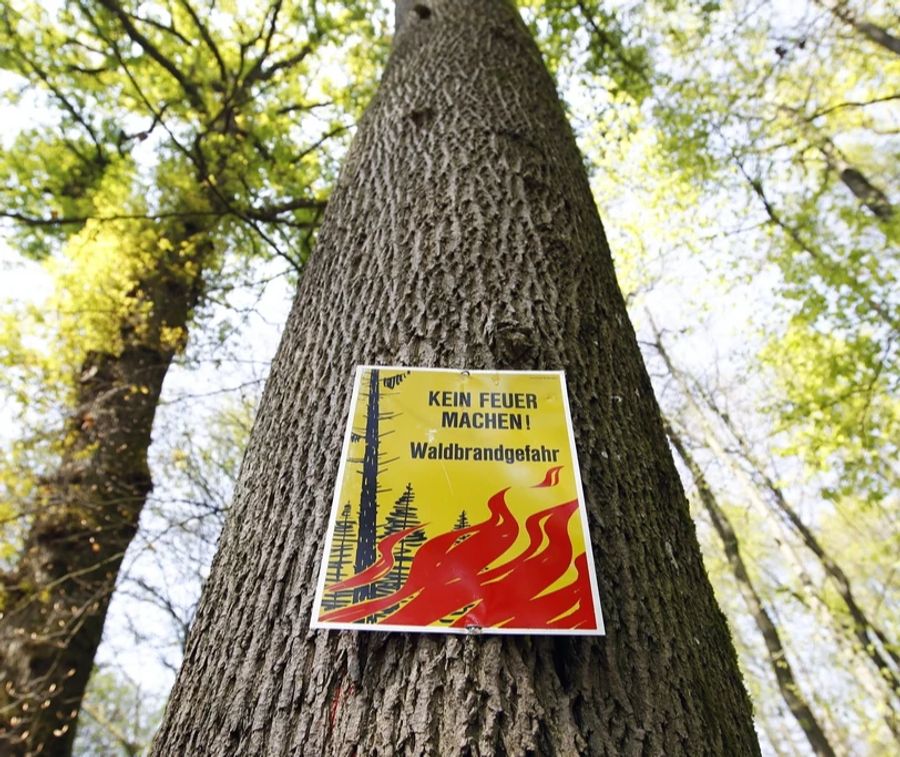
(207, 38)
(852, 104)
(189, 87)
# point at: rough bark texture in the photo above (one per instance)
(86, 515)
(777, 658)
(462, 233)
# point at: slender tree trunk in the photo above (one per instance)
(855, 180)
(871, 682)
(778, 662)
(85, 516)
(810, 595)
(462, 233)
(866, 192)
(872, 32)
(872, 640)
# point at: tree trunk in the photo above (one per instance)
(856, 181)
(462, 233)
(777, 658)
(873, 32)
(86, 514)
(866, 192)
(872, 640)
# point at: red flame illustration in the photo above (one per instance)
(448, 574)
(551, 479)
(380, 568)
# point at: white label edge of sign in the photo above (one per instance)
(317, 625)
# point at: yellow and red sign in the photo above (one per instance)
(458, 508)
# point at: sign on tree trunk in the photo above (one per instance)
(458, 507)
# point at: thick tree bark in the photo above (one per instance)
(777, 657)
(86, 514)
(462, 233)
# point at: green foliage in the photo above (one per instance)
(223, 102)
(178, 138)
(605, 41)
(118, 717)
(838, 400)
(58, 176)
(787, 135)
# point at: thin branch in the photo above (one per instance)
(162, 27)
(66, 103)
(270, 213)
(852, 104)
(190, 89)
(206, 37)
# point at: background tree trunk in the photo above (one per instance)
(873, 642)
(873, 32)
(87, 512)
(777, 657)
(462, 233)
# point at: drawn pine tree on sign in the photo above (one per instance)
(461, 522)
(368, 496)
(372, 466)
(403, 515)
(339, 561)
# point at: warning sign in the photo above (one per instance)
(458, 508)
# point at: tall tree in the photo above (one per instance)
(86, 510)
(777, 657)
(219, 99)
(873, 641)
(462, 232)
